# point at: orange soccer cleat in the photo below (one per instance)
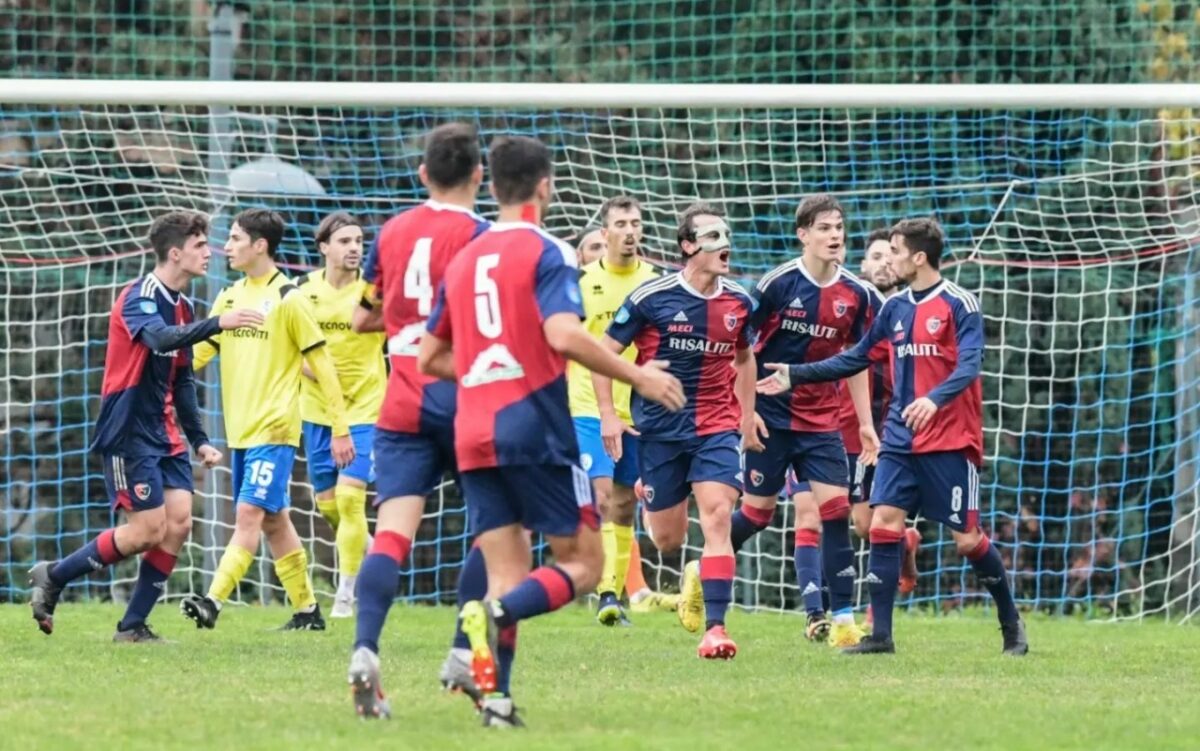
(716, 645)
(908, 567)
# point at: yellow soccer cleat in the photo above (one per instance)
(844, 635)
(654, 602)
(691, 599)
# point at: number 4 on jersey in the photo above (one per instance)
(416, 277)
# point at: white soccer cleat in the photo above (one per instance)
(343, 601)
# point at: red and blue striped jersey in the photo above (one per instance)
(512, 386)
(879, 383)
(936, 338)
(799, 320)
(405, 269)
(667, 319)
(148, 397)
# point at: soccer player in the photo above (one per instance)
(260, 397)
(810, 308)
(592, 245)
(507, 314)
(604, 284)
(414, 437)
(697, 320)
(933, 439)
(334, 292)
(147, 404)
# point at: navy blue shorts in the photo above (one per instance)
(596, 461)
(793, 485)
(261, 475)
(860, 479)
(136, 483)
(670, 467)
(942, 486)
(551, 500)
(815, 457)
(411, 463)
(318, 452)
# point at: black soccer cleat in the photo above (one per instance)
(872, 645)
(1015, 643)
(498, 711)
(306, 621)
(139, 633)
(43, 597)
(202, 610)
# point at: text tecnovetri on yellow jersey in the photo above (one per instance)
(358, 358)
(261, 367)
(604, 288)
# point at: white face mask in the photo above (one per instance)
(721, 241)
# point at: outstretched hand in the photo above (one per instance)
(777, 383)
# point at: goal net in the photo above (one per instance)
(1075, 228)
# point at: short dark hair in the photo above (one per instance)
(879, 233)
(172, 230)
(625, 203)
(262, 224)
(685, 230)
(518, 164)
(451, 154)
(924, 235)
(332, 223)
(813, 206)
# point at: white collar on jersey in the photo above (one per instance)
(439, 206)
(937, 290)
(837, 274)
(154, 283)
(684, 283)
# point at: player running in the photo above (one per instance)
(147, 404)
(414, 438)
(933, 439)
(810, 308)
(506, 316)
(334, 292)
(260, 398)
(604, 284)
(697, 321)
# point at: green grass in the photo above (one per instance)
(241, 687)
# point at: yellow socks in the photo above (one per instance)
(292, 570)
(329, 509)
(352, 530)
(616, 539)
(233, 566)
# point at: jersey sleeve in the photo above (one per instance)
(439, 318)
(968, 334)
(556, 284)
(138, 313)
(301, 325)
(849, 362)
(745, 337)
(627, 322)
(868, 311)
(373, 277)
(763, 304)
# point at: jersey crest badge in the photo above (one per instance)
(839, 308)
(933, 324)
(731, 321)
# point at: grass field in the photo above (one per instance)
(1084, 686)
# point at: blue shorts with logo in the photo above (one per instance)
(136, 483)
(670, 467)
(261, 475)
(412, 463)
(596, 461)
(322, 471)
(861, 477)
(815, 457)
(551, 500)
(942, 486)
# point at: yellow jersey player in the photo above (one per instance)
(260, 390)
(605, 283)
(334, 292)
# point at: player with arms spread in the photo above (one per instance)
(604, 284)
(414, 438)
(260, 398)
(148, 396)
(334, 292)
(697, 320)
(507, 315)
(933, 438)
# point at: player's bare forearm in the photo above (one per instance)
(571, 340)
(367, 319)
(163, 338)
(860, 394)
(603, 384)
(435, 357)
(325, 374)
(744, 383)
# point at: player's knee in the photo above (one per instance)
(668, 539)
(179, 528)
(862, 525)
(622, 509)
(808, 517)
(968, 543)
(835, 509)
(146, 531)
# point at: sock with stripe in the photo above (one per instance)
(506, 652)
(235, 562)
(292, 570)
(716, 579)
(989, 567)
(883, 576)
(378, 580)
(635, 580)
(837, 557)
(99, 552)
(808, 569)
(156, 566)
(545, 590)
(472, 585)
(746, 522)
(352, 529)
(328, 508)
